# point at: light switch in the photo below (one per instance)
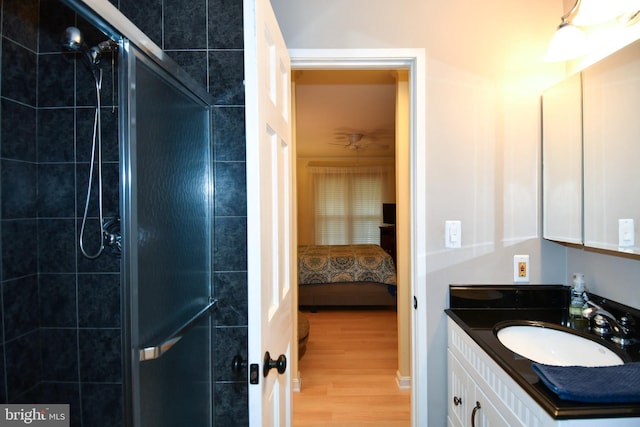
(626, 238)
(453, 234)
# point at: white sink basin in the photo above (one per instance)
(556, 347)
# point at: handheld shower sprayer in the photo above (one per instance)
(101, 48)
(73, 41)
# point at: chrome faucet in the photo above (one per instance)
(622, 333)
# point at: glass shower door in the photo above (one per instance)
(167, 233)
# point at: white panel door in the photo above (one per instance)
(269, 211)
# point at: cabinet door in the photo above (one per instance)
(459, 393)
(486, 415)
(611, 151)
(464, 395)
(562, 161)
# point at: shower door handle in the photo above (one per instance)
(155, 351)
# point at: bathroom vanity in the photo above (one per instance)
(488, 384)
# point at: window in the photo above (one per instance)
(348, 204)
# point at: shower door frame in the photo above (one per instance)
(132, 345)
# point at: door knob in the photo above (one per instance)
(280, 364)
(238, 364)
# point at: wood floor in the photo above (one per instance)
(348, 372)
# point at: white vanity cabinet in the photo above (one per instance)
(474, 377)
(468, 405)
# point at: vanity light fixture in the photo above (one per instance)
(593, 12)
(570, 42)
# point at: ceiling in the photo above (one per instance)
(336, 106)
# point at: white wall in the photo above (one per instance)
(614, 276)
(484, 76)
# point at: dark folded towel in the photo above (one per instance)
(603, 384)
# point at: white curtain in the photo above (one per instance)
(348, 203)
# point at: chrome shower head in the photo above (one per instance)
(72, 39)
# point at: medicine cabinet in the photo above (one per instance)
(591, 155)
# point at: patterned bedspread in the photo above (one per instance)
(345, 263)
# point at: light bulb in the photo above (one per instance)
(568, 42)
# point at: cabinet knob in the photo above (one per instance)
(457, 400)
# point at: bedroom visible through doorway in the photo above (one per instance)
(411, 241)
(353, 118)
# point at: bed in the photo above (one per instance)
(345, 275)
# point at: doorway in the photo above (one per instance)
(411, 243)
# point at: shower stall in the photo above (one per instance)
(106, 221)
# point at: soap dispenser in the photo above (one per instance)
(577, 302)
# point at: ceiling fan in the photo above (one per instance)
(357, 141)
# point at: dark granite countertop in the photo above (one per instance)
(477, 309)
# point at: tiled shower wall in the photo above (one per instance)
(61, 313)
(61, 340)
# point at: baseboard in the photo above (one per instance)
(296, 383)
(404, 383)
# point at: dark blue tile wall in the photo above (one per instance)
(18, 225)
(225, 24)
(19, 67)
(20, 22)
(56, 135)
(19, 142)
(18, 319)
(185, 25)
(56, 309)
(21, 178)
(19, 259)
(45, 139)
(57, 300)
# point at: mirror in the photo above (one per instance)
(562, 161)
(611, 104)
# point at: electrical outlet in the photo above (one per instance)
(521, 268)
